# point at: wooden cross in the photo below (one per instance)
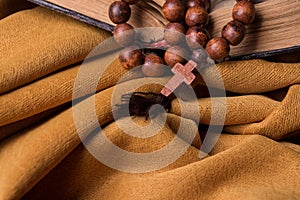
(181, 74)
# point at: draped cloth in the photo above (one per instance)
(257, 155)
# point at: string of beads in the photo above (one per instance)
(187, 23)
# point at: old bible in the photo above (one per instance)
(274, 31)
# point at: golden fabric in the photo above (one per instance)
(41, 156)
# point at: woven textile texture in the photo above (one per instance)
(41, 155)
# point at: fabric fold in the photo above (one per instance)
(253, 76)
(27, 54)
(10, 129)
(239, 109)
(39, 149)
(283, 120)
(49, 92)
(244, 170)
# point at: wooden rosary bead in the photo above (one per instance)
(196, 16)
(197, 36)
(234, 32)
(119, 12)
(202, 3)
(173, 10)
(130, 2)
(153, 65)
(175, 54)
(124, 34)
(218, 48)
(244, 11)
(199, 55)
(174, 33)
(131, 57)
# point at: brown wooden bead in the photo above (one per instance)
(130, 2)
(202, 3)
(196, 16)
(244, 11)
(175, 54)
(196, 37)
(174, 33)
(173, 10)
(153, 65)
(218, 48)
(119, 12)
(131, 57)
(199, 55)
(124, 34)
(234, 32)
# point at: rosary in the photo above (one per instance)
(187, 21)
